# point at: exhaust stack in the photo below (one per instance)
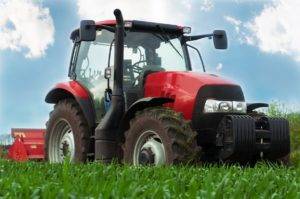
(106, 148)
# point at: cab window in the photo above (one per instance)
(92, 60)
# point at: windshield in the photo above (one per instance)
(142, 50)
(157, 51)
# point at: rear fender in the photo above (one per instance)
(76, 91)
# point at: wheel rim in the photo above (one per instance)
(61, 143)
(149, 150)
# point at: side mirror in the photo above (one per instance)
(87, 31)
(107, 73)
(220, 39)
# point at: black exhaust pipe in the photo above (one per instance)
(106, 147)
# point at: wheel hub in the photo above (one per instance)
(149, 150)
(62, 144)
(146, 157)
(65, 148)
(67, 145)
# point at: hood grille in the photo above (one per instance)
(218, 92)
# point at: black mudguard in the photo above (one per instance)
(140, 105)
(252, 106)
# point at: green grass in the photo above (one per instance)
(42, 180)
(94, 180)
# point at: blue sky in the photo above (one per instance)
(262, 57)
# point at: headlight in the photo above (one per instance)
(225, 106)
(239, 107)
(216, 106)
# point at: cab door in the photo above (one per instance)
(92, 60)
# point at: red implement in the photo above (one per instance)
(28, 144)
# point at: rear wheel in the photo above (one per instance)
(160, 136)
(67, 133)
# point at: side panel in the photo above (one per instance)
(182, 87)
(74, 90)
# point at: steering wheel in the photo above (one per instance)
(138, 70)
(136, 66)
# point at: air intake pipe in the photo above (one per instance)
(106, 147)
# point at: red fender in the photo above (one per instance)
(74, 89)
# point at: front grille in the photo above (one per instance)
(210, 121)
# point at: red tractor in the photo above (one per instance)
(149, 108)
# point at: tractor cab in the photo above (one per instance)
(148, 48)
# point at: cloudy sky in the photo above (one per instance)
(263, 55)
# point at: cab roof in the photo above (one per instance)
(145, 26)
(136, 25)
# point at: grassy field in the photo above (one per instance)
(42, 180)
(94, 180)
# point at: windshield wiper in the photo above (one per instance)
(165, 37)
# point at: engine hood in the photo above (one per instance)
(203, 79)
(183, 87)
(188, 81)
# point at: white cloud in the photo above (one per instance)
(274, 30)
(167, 11)
(235, 22)
(207, 5)
(25, 25)
(240, 29)
(219, 67)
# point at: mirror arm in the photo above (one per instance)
(196, 37)
(109, 28)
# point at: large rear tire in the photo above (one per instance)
(67, 133)
(160, 136)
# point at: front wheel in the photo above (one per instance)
(67, 133)
(160, 136)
